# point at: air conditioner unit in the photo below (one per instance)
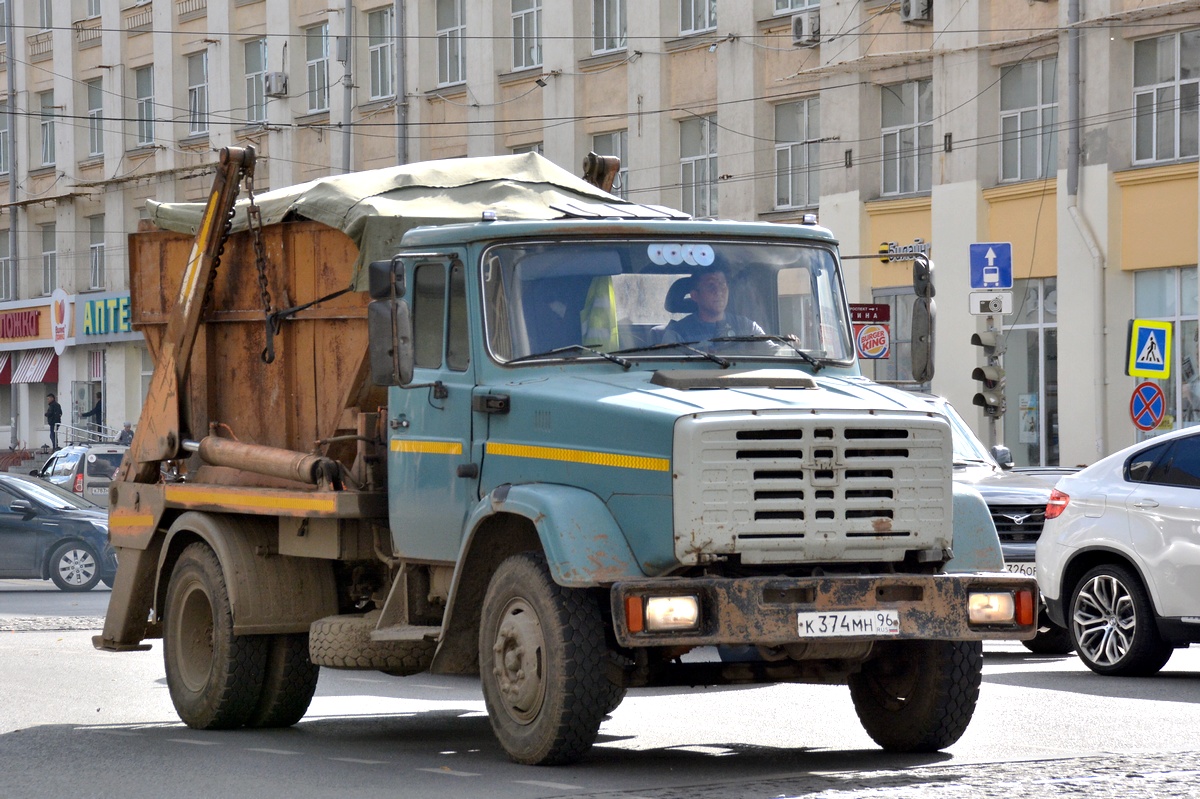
(916, 12)
(275, 84)
(806, 28)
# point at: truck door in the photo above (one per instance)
(431, 478)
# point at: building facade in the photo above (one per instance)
(1066, 129)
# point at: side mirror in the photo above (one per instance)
(923, 314)
(390, 348)
(23, 507)
(1003, 456)
(385, 276)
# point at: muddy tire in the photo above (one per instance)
(543, 663)
(215, 677)
(344, 642)
(289, 682)
(918, 696)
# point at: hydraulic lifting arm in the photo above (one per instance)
(159, 435)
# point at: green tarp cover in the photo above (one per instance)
(375, 208)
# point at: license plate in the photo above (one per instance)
(99, 491)
(1023, 569)
(848, 623)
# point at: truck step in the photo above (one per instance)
(406, 632)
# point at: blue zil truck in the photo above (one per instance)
(482, 417)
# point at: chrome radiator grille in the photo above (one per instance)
(792, 488)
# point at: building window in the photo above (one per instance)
(45, 15)
(93, 9)
(785, 6)
(381, 50)
(316, 52)
(95, 117)
(46, 117)
(197, 67)
(49, 259)
(8, 272)
(797, 128)
(527, 33)
(697, 16)
(451, 30)
(4, 21)
(1166, 72)
(907, 117)
(608, 25)
(615, 143)
(5, 141)
(256, 72)
(536, 147)
(1030, 364)
(698, 165)
(143, 80)
(1171, 295)
(1028, 117)
(96, 251)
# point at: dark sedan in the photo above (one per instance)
(50, 534)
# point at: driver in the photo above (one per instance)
(710, 293)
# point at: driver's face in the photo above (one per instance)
(711, 294)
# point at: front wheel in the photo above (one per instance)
(918, 696)
(215, 677)
(542, 656)
(1112, 624)
(74, 566)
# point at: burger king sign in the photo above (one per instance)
(872, 340)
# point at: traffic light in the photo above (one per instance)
(991, 397)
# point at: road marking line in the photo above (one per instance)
(557, 785)
(194, 742)
(359, 760)
(271, 751)
(121, 733)
(450, 772)
(362, 679)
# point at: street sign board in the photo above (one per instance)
(990, 303)
(1149, 349)
(1147, 406)
(991, 265)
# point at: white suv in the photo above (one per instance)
(1119, 558)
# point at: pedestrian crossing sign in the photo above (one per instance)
(1149, 349)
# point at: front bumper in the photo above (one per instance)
(764, 610)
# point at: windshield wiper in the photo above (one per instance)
(624, 363)
(816, 363)
(682, 345)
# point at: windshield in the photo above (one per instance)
(967, 448)
(52, 496)
(664, 298)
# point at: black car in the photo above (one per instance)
(1016, 500)
(51, 534)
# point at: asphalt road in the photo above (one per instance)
(85, 723)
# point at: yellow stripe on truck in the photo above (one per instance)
(236, 499)
(590, 457)
(435, 447)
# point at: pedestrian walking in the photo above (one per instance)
(53, 417)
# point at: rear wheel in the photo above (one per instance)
(1112, 624)
(74, 566)
(543, 664)
(289, 682)
(918, 696)
(215, 677)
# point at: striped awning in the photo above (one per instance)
(37, 366)
(5, 369)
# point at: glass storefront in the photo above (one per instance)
(1031, 373)
(1171, 295)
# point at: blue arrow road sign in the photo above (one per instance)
(991, 265)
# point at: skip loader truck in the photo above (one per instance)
(482, 417)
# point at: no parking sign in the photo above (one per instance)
(1147, 406)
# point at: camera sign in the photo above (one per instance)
(991, 303)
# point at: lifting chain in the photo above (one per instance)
(216, 261)
(254, 216)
